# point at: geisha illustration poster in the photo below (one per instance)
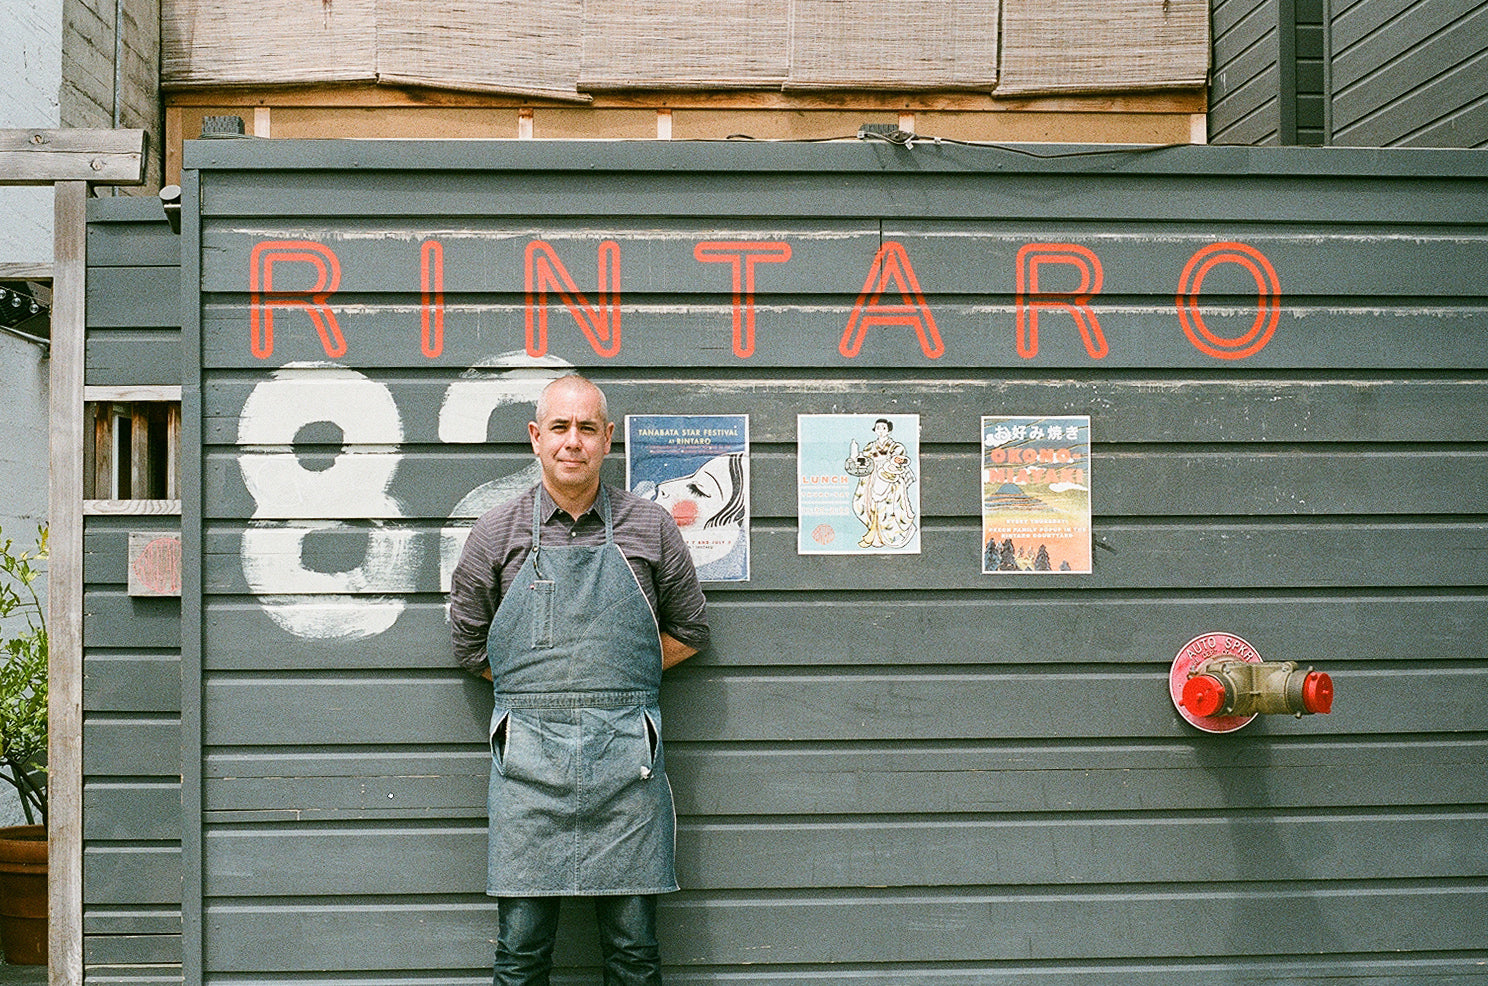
(697, 467)
(858, 484)
(1035, 494)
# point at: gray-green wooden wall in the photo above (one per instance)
(132, 646)
(1349, 73)
(892, 770)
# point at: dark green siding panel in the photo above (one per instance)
(147, 356)
(131, 746)
(1137, 555)
(131, 873)
(948, 704)
(764, 932)
(128, 953)
(1128, 409)
(921, 852)
(1216, 481)
(121, 682)
(129, 297)
(132, 809)
(887, 778)
(113, 618)
(893, 770)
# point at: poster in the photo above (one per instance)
(1035, 494)
(697, 467)
(858, 484)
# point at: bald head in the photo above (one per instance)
(575, 385)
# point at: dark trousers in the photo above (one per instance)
(627, 940)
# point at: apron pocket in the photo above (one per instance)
(653, 736)
(500, 735)
(542, 613)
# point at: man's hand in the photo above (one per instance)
(674, 651)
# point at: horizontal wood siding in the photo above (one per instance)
(888, 770)
(132, 646)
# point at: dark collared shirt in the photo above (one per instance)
(502, 539)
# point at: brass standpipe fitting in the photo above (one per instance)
(1223, 687)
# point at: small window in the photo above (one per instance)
(135, 452)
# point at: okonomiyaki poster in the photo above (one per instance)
(858, 484)
(1035, 494)
(697, 467)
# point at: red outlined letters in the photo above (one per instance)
(1268, 302)
(601, 322)
(1030, 301)
(891, 263)
(262, 299)
(431, 304)
(742, 256)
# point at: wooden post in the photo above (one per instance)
(70, 160)
(65, 591)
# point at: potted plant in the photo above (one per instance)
(23, 741)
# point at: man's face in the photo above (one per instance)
(572, 439)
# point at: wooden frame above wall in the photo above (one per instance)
(362, 110)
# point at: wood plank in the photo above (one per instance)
(135, 357)
(1140, 335)
(986, 926)
(132, 811)
(102, 157)
(132, 874)
(134, 297)
(951, 183)
(921, 852)
(830, 705)
(1274, 481)
(1138, 554)
(371, 96)
(117, 619)
(128, 953)
(1136, 409)
(486, 256)
(139, 920)
(120, 682)
(713, 781)
(754, 630)
(65, 739)
(137, 746)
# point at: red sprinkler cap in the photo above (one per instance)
(1204, 695)
(1317, 692)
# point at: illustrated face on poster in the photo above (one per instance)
(697, 467)
(1035, 494)
(857, 484)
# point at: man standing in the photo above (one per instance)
(572, 598)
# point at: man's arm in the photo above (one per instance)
(673, 652)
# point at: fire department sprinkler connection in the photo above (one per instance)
(1219, 683)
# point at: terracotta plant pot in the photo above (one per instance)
(23, 894)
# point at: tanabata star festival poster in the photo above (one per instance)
(858, 484)
(1035, 494)
(697, 467)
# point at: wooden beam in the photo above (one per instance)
(42, 157)
(65, 589)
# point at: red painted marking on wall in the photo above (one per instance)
(1268, 302)
(262, 299)
(891, 264)
(742, 256)
(158, 566)
(545, 272)
(1029, 301)
(431, 264)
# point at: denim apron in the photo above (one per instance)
(579, 799)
